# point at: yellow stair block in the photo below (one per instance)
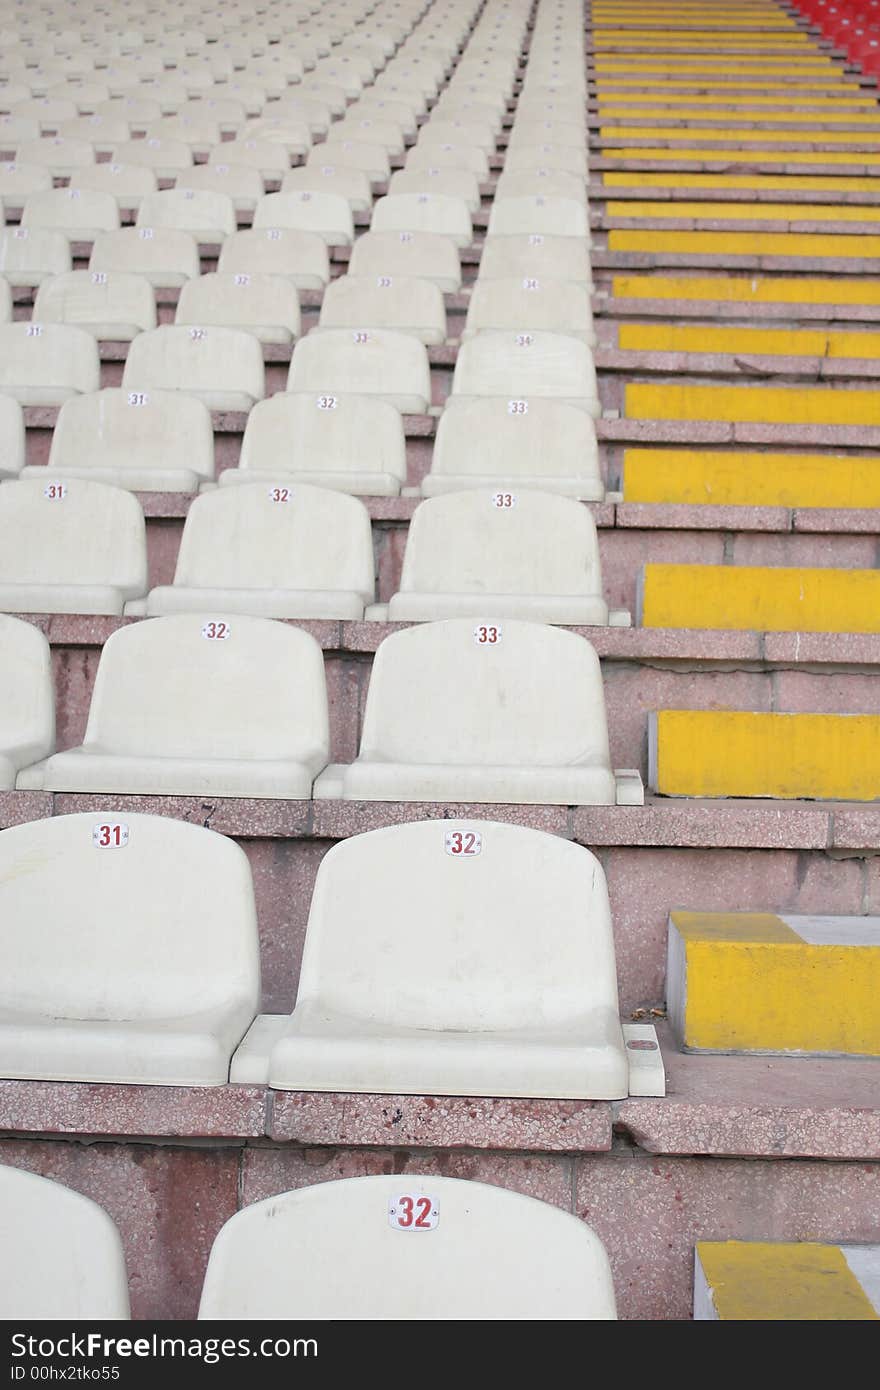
(747, 243)
(757, 982)
(747, 289)
(777, 183)
(758, 1281)
(809, 137)
(834, 87)
(760, 599)
(746, 212)
(768, 405)
(778, 67)
(747, 156)
(726, 753)
(785, 342)
(715, 477)
(677, 29)
(755, 110)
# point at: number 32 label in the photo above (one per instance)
(463, 842)
(410, 1212)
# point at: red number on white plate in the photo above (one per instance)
(486, 636)
(280, 494)
(327, 402)
(463, 842)
(413, 1212)
(110, 835)
(504, 500)
(55, 492)
(216, 631)
(517, 407)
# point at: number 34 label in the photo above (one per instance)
(411, 1212)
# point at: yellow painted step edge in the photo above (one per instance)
(747, 983)
(741, 753)
(780, 1282)
(760, 598)
(741, 479)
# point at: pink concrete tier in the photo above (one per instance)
(736, 367)
(724, 432)
(761, 1107)
(602, 259)
(831, 649)
(714, 224)
(686, 823)
(168, 1112)
(708, 310)
(599, 192)
(784, 1107)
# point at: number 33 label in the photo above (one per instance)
(413, 1213)
(487, 636)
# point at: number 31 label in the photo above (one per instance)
(110, 835)
(413, 1213)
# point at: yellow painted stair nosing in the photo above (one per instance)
(736, 754)
(801, 1281)
(758, 598)
(743, 983)
(703, 477)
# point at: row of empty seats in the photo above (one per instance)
(456, 711)
(299, 551)
(382, 1004)
(401, 1248)
(47, 363)
(380, 1248)
(162, 441)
